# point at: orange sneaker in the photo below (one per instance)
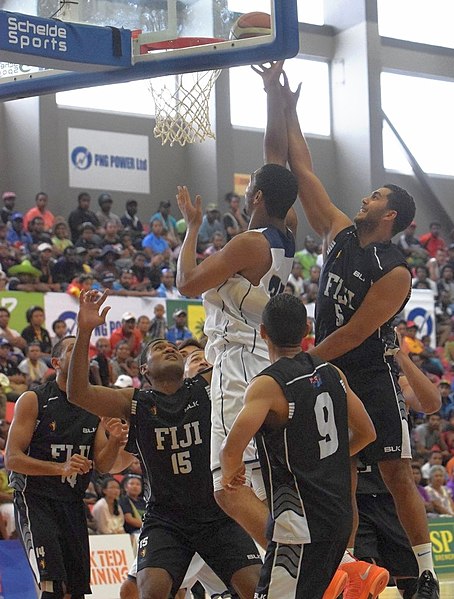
(365, 581)
(337, 585)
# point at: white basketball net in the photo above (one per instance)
(182, 107)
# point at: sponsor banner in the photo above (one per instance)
(111, 557)
(108, 160)
(65, 307)
(421, 309)
(442, 537)
(18, 302)
(58, 44)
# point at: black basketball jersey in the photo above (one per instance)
(348, 273)
(306, 463)
(171, 434)
(62, 429)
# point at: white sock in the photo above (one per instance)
(348, 557)
(423, 554)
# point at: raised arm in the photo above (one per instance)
(323, 216)
(382, 302)
(109, 447)
(261, 395)
(275, 143)
(238, 255)
(362, 431)
(418, 390)
(19, 439)
(101, 401)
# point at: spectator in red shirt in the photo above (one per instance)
(127, 332)
(40, 209)
(432, 241)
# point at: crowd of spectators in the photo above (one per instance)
(130, 257)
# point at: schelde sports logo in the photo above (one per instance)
(82, 158)
(28, 33)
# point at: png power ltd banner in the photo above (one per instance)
(108, 160)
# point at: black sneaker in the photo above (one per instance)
(428, 587)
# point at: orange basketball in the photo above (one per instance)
(251, 24)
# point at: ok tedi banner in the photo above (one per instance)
(108, 160)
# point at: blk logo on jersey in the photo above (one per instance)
(53, 426)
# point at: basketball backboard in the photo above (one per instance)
(98, 42)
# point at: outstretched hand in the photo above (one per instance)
(270, 74)
(89, 316)
(117, 428)
(192, 212)
(290, 98)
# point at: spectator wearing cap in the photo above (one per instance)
(432, 241)
(60, 237)
(9, 200)
(41, 201)
(447, 399)
(179, 332)
(9, 334)
(414, 345)
(123, 382)
(211, 224)
(9, 368)
(167, 287)
(25, 277)
(45, 262)
(154, 242)
(105, 213)
(128, 332)
(168, 222)
(81, 214)
(17, 236)
(105, 262)
(130, 220)
(68, 266)
(106, 280)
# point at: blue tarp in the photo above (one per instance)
(17, 580)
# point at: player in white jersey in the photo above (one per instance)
(236, 284)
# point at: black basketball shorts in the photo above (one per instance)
(170, 544)
(380, 536)
(383, 400)
(54, 535)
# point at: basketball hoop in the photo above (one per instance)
(182, 109)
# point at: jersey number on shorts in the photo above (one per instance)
(326, 424)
